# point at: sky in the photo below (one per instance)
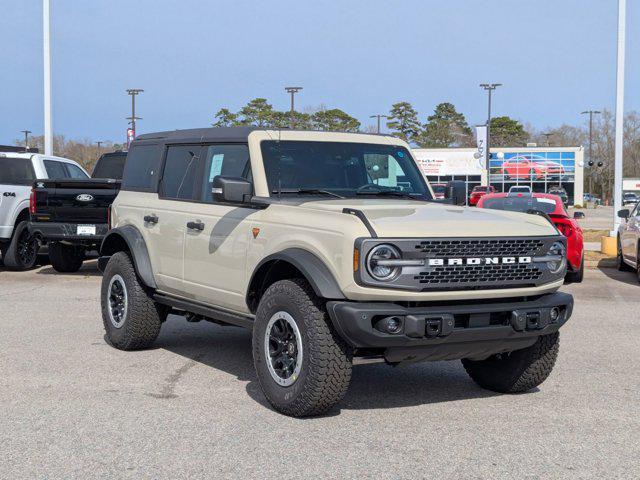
(555, 58)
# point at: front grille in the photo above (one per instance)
(479, 248)
(453, 274)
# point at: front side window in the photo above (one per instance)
(55, 169)
(225, 160)
(342, 169)
(180, 171)
(16, 171)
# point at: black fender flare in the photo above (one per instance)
(314, 270)
(137, 247)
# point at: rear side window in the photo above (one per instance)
(74, 171)
(141, 168)
(55, 169)
(180, 172)
(226, 160)
(16, 171)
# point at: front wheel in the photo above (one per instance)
(303, 366)
(517, 371)
(578, 275)
(22, 251)
(622, 266)
(65, 258)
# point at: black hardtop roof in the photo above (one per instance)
(214, 134)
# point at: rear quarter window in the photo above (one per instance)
(16, 171)
(142, 167)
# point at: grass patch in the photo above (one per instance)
(594, 235)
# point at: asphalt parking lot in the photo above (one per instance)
(73, 407)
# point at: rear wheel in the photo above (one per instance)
(622, 266)
(517, 371)
(22, 251)
(303, 366)
(578, 275)
(65, 258)
(131, 318)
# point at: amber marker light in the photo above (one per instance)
(356, 259)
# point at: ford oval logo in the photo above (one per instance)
(84, 197)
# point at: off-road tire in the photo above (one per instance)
(11, 253)
(326, 363)
(65, 258)
(517, 371)
(143, 317)
(577, 276)
(622, 266)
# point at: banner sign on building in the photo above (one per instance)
(481, 141)
(131, 135)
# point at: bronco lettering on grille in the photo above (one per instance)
(439, 262)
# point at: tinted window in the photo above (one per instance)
(55, 169)
(520, 204)
(141, 168)
(180, 172)
(110, 166)
(16, 171)
(226, 160)
(73, 171)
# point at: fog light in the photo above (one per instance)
(390, 325)
(554, 314)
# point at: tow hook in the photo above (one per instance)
(430, 325)
(534, 319)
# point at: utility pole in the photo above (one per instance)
(133, 92)
(546, 136)
(378, 117)
(617, 178)
(99, 143)
(292, 91)
(591, 113)
(489, 87)
(46, 47)
(26, 138)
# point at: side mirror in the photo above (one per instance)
(456, 192)
(231, 189)
(624, 213)
(578, 215)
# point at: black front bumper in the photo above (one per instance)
(54, 231)
(446, 331)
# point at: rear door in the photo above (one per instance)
(16, 177)
(215, 257)
(165, 223)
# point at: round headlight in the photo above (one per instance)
(557, 249)
(381, 253)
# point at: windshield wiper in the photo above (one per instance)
(311, 191)
(389, 193)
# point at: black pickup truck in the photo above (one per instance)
(71, 216)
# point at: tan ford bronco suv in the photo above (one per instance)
(332, 250)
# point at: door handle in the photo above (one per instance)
(197, 225)
(151, 218)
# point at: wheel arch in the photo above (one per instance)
(128, 239)
(291, 263)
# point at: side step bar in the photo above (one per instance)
(206, 311)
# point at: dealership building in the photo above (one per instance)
(539, 167)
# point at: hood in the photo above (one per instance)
(407, 218)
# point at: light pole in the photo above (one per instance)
(46, 47)
(133, 92)
(617, 169)
(489, 87)
(591, 113)
(26, 138)
(378, 117)
(292, 91)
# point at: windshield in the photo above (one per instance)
(110, 166)
(344, 169)
(520, 204)
(16, 171)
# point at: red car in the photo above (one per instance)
(551, 205)
(479, 192)
(438, 190)
(527, 166)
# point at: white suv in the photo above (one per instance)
(18, 171)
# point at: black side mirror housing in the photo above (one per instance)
(578, 215)
(231, 189)
(456, 192)
(624, 213)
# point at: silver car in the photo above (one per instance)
(628, 240)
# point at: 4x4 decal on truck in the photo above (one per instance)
(9, 194)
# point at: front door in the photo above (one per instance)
(216, 245)
(630, 235)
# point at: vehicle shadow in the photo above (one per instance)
(89, 269)
(629, 278)
(377, 386)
